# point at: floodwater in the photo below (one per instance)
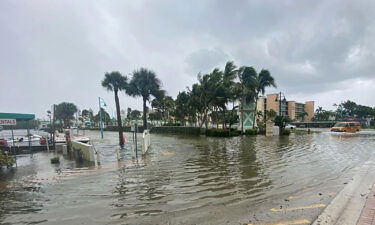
(186, 180)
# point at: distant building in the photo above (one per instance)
(293, 109)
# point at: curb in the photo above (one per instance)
(346, 207)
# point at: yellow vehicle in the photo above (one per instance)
(346, 127)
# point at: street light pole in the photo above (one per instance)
(100, 115)
(280, 104)
(100, 119)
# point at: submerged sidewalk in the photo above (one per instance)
(355, 204)
(367, 216)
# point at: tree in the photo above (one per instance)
(155, 116)
(231, 89)
(182, 106)
(281, 121)
(262, 118)
(261, 82)
(88, 114)
(247, 88)
(223, 91)
(363, 111)
(302, 115)
(135, 114)
(105, 117)
(323, 115)
(65, 112)
(349, 108)
(115, 82)
(145, 84)
(128, 111)
(354, 110)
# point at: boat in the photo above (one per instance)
(24, 140)
(60, 137)
(351, 127)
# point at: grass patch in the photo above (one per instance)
(296, 131)
(55, 160)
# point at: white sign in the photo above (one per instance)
(6, 122)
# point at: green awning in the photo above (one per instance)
(17, 116)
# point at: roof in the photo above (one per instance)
(17, 116)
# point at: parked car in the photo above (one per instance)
(290, 126)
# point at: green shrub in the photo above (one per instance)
(6, 160)
(222, 133)
(176, 130)
(262, 131)
(55, 160)
(171, 125)
(285, 132)
(115, 128)
(235, 132)
(217, 133)
(251, 132)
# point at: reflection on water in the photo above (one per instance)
(183, 175)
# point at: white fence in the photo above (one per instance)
(146, 142)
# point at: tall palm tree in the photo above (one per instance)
(262, 81)
(229, 74)
(115, 82)
(145, 84)
(247, 87)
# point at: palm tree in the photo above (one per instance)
(145, 84)
(115, 82)
(262, 81)
(230, 74)
(65, 113)
(247, 87)
(302, 115)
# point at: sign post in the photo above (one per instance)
(9, 122)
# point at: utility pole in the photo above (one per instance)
(280, 104)
(53, 127)
(100, 116)
(100, 119)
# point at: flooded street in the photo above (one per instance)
(187, 180)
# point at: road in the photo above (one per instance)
(189, 180)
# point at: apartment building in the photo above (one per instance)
(295, 110)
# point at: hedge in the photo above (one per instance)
(115, 128)
(285, 132)
(222, 133)
(176, 130)
(6, 160)
(251, 132)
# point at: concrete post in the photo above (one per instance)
(269, 128)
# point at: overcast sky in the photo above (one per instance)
(54, 51)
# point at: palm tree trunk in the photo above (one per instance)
(119, 124)
(241, 113)
(256, 108)
(144, 113)
(224, 119)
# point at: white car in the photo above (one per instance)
(290, 126)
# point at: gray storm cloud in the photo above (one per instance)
(53, 51)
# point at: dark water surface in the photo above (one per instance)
(182, 180)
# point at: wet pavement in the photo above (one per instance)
(187, 180)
